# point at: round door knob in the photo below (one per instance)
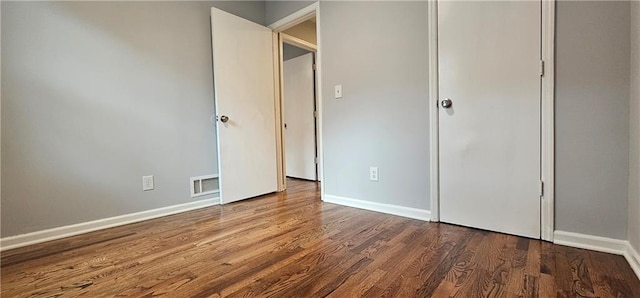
(446, 103)
(224, 119)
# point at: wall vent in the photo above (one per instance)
(204, 185)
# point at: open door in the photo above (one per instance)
(243, 79)
(299, 115)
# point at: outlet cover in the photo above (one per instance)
(373, 173)
(147, 182)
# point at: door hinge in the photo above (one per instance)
(542, 68)
(316, 159)
(541, 188)
(314, 66)
(315, 114)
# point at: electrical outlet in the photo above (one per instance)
(147, 182)
(373, 173)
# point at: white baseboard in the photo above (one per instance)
(90, 226)
(633, 257)
(597, 243)
(602, 244)
(380, 207)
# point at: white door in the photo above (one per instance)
(489, 67)
(244, 100)
(299, 106)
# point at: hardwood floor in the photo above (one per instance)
(293, 245)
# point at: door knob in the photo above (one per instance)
(446, 103)
(224, 119)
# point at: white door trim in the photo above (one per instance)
(547, 111)
(298, 42)
(434, 144)
(296, 18)
(547, 122)
(286, 23)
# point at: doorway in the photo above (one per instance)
(299, 101)
(250, 121)
(298, 110)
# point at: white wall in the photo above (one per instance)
(634, 156)
(97, 94)
(378, 52)
(592, 117)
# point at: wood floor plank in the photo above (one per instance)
(564, 274)
(430, 285)
(292, 244)
(359, 283)
(517, 283)
(464, 267)
(611, 280)
(547, 282)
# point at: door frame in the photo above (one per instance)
(277, 27)
(547, 125)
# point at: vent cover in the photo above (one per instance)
(204, 185)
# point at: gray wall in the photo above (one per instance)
(92, 102)
(290, 52)
(276, 10)
(592, 117)
(251, 10)
(634, 162)
(97, 94)
(378, 52)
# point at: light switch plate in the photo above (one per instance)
(338, 91)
